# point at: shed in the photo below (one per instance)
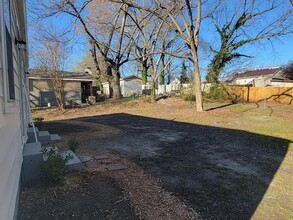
(128, 86)
(77, 87)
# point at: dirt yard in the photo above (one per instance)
(229, 162)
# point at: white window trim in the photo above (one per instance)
(10, 105)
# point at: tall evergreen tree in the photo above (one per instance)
(183, 75)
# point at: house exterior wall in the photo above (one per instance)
(127, 87)
(47, 85)
(281, 84)
(244, 81)
(130, 87)
(42, 92)
(13, 112)
(106, 88)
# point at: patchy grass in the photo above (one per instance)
(273, 120)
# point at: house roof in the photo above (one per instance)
(68, 76)
(258, 72)
(132, 77)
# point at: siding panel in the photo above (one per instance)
(11, 143)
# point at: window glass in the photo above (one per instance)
(7, 15)
(9, 49)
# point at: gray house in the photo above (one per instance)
(77, 87)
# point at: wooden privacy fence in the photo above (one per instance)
(282, 95)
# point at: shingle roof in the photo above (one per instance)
(77, 76)
(258, 72)
(127, 78)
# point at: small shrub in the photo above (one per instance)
(38, 121)
(188, 97)
(53, 170)
(187, 93)
(216, 93)
(73, 144)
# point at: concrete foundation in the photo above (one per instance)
(32, 156)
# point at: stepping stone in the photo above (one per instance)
(85, 158)
(91, 164)
(114, 167)
(101, 157)
(106, 161)
(116, 158)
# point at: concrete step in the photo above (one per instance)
(44, 136)
(55, 137)
(73, 164)
(31, 134)
(32, 156)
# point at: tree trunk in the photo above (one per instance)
(115, 84)
(197, 81)
(162, 74)
(153, 94)
(60, 99)
(144, 73)
(162, 78)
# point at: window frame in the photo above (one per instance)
(9, 103)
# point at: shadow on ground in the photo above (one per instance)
(222, 173)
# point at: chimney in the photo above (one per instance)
(88, 70)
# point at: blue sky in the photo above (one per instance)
(263, 56)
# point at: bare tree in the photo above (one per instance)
(184, 17)
(245, 23)
(105, 32)
(50, 51)
(288, 70)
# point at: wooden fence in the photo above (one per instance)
(282, 95)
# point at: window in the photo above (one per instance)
(7, 14)
(9, 53)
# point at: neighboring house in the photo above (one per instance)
(261, 77)
(77, 87)
(13, 102)
(128, 86)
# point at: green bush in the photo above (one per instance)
(38, 121)
(216, 93)
(187, 94)
(73, 144)
(53, 170)
(188, 97)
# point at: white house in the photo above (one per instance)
(128, 86)
(13, 102)
(258, 77)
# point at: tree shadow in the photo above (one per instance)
(221, 173)
(219, 107)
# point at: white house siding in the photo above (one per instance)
(127, 87)
(130, 87)
(244, 81)
(282, 84)
(13, 116)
